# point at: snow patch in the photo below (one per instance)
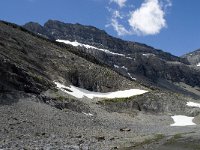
(129, 58)
(123, 67)
(131, 76)
(39, 34)
(148, 54)
(198, 65)
(180, 120)
(75, 43)
(116, 66)
(192, 104)
(80, 93)
(88, 114)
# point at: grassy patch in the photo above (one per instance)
(115, 100)
(61, 98)
(156, 138)
(174, 138)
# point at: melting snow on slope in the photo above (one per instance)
(116, 66)
(192, 104)
(182, 121)
(123, 67)
(75, 43)
(80, 93)
(131, 76)
(88, 114)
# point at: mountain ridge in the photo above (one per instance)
(139, 61)
(92, 35)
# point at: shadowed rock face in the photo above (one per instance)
(142, 61)
(31, 63)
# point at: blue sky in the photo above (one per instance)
(170, 25)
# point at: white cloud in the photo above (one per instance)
(119, 28)
(148, 19)
(117, 14)
(121, 3)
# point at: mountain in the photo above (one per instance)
(30, 63)
(131, 59)
(193, 57)
(68, 96)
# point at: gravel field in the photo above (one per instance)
(29, 124)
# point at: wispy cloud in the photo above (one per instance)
(114, 22)
(120, 3)
(148, 19)
(119, 28)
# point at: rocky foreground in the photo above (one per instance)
(30, 123)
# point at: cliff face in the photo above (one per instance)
(133, 60)
(30, 63)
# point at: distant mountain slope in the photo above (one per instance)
(131, 59)
(91, 35)
(31, 63)
(193, 57)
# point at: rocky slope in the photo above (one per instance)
(193, 57)
(131, 59)
(35, 114)
(30, 63)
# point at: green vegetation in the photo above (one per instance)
(38, 78)
(159, 137)
(174, 138)
(116, 100)
(156, 138)
(147, 141)
(61, 98)
(176, 142)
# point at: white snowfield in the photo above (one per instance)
(80, 93)
(192, 104)
(76, 44)
(180, 120)
(198, 65)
